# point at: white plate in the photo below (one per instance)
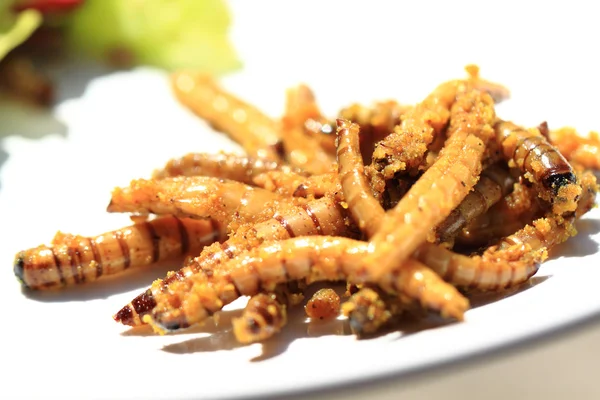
(57, 173)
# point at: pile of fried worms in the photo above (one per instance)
(412, 207)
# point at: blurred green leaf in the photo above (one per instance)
(15, 28)
(166, 33)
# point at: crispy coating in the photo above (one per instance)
(324, 304)
(443, 177)
(368, 309)
(263, 317)
(405, 148)
(266, 313)
(314, 258)
(440, 189)
(368, 214)
(513, 261)
(318, 217)
(376, 122)
(196, 197)
(541, 163)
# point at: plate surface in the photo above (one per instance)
(57, 173)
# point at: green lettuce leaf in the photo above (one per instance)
(166, 33)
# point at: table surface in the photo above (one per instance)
(561, 365)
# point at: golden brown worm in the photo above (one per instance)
(266, 313)
(234, 167)
(440, 189)
(263, 317)
(318, 217)
(313, 258)
(323, 131)
(513, 261)
(376, 122)
(405, 147)
(494, 183)
(369, 309)
(324, 304)
(510, 214)
(257, 133)
(302, 151)
(73, 260)
(365, 210)
(297, 185)
(197, 197)
(541, 163)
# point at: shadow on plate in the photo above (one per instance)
(17, 118)
(139, 278)
(479, 298)
(220, 336)
(216, 325)
(581, 245)
(27, 121)
(72, 76)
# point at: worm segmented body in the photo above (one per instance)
(441, 188)
(369, 309)
(495, 183)
(509, 263)
(405, 148)
(256, 132)
(510, 214)
(242, 169)
(198, 197)
(542, 164)
(292, 214)
(263, 317)
(314, 258)
(301, 150)
(515, 258)
(375, 121)
(297, 185)
(266, 313)
(318, 217)
(73, 260)
(369, 214)
(365, 210)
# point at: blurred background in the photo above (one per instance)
(52, 52)
(120, 34)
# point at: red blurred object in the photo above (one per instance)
(47, 6)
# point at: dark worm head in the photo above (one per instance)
(557, 181)
(142, 305)
(19, 268)
(124, 316)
